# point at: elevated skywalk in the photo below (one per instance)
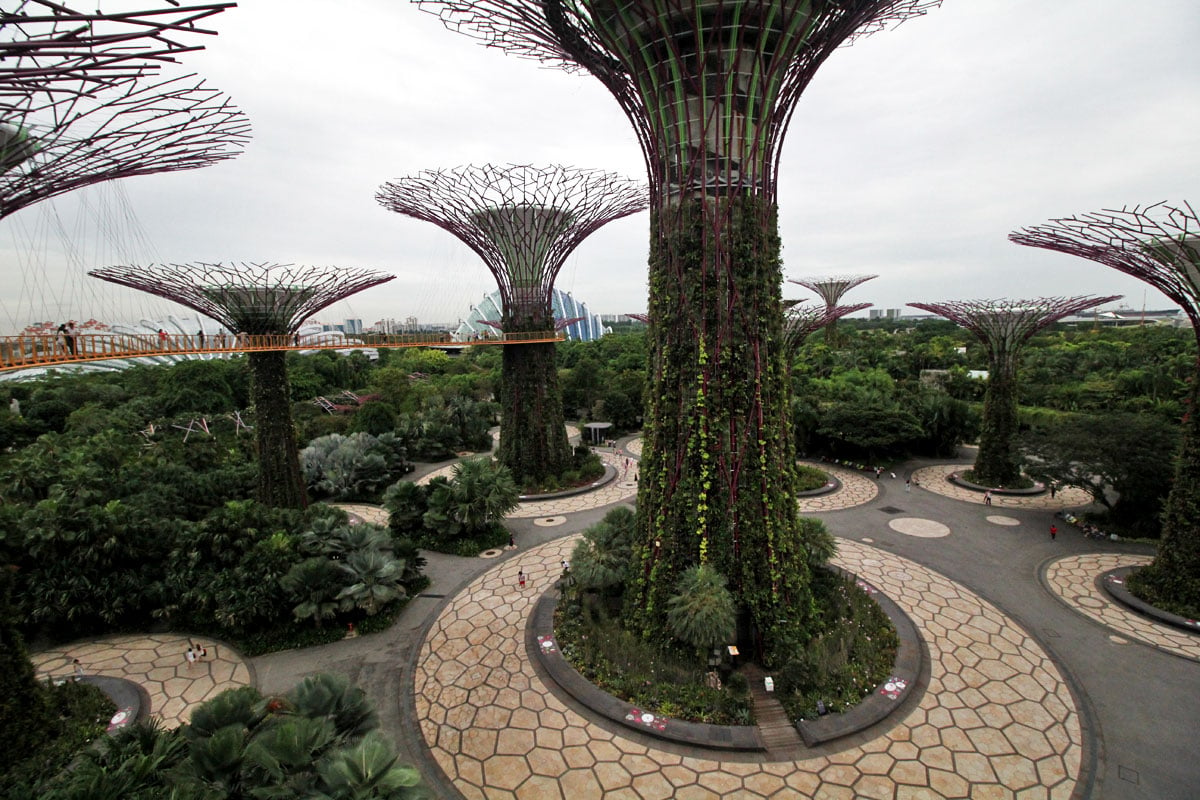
(22, 352)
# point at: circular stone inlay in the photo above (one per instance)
(549, 522)
(922, 528)
(493, 553)
(1006, 521)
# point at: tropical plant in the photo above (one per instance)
(604, 556)
(314, 584)
(376, 580)
(702, 613)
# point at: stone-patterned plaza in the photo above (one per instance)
(997, 719)
(156, 662)
(936, 479)
(856, 489)
(1074, 580)
(620, 489)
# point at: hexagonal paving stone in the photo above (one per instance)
(995, 703)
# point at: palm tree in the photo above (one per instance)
(376, 580)
(314, 582)
(702, 613)
(483, 492)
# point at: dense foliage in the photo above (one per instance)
(462, 514)
(850, 651)
(321, 739)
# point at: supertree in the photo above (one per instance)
(1158, 244)
(1004, 327)
(258, 300)
(48, 49)
(801, 321)
(709, 86)
(132, 128)
(831, 290)
(523, 221)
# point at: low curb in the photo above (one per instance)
(1112, 583)
(541, 646)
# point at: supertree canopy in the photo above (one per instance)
(801, 321)
(258, 299)
(709, 86)
(1004, 326)
(523, 221)
(132, 128)
(831, 290)
(48, 50)
(1158, 244)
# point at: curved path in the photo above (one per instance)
(856, 490)
(157, 663)
(936, 479)
(1074, 578)
(997, 716)
(617, 490)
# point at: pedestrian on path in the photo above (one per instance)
(521, 578)
(1053, 489)
(987, 498)
(907, 485)
(78, 669)
(191, 658)
(1053, 532)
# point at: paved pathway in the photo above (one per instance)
(156, 661)
(620, 489)
(997, 714)
(997, 717)
(856, 489)
(936, 479)
(1073, 579)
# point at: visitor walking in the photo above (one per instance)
(521, 578)
(907, 485)
(200, 336)
(987, 497)
(191, 658)
(162, 339)
(1053, 532)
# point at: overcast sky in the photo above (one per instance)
(911, 156)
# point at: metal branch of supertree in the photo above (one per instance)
(831, 289)
(1158, 244)
(47, 47)
(800, 321)
(1005, 324)
(709, 85)
(253, 298)
(523, 221)
(134, 128)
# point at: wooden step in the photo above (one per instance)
(774, 727)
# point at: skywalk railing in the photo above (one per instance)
(20, 352)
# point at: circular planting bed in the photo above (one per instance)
(958, 479)
(1112, 583)
(542, 647)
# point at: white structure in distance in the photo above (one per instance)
(565, 307)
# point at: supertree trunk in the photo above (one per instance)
(717, 473)
(533, 434)
(280, 483)
(1175, 572)
(998, 463)
(1158, 244)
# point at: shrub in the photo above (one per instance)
(810, 478)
